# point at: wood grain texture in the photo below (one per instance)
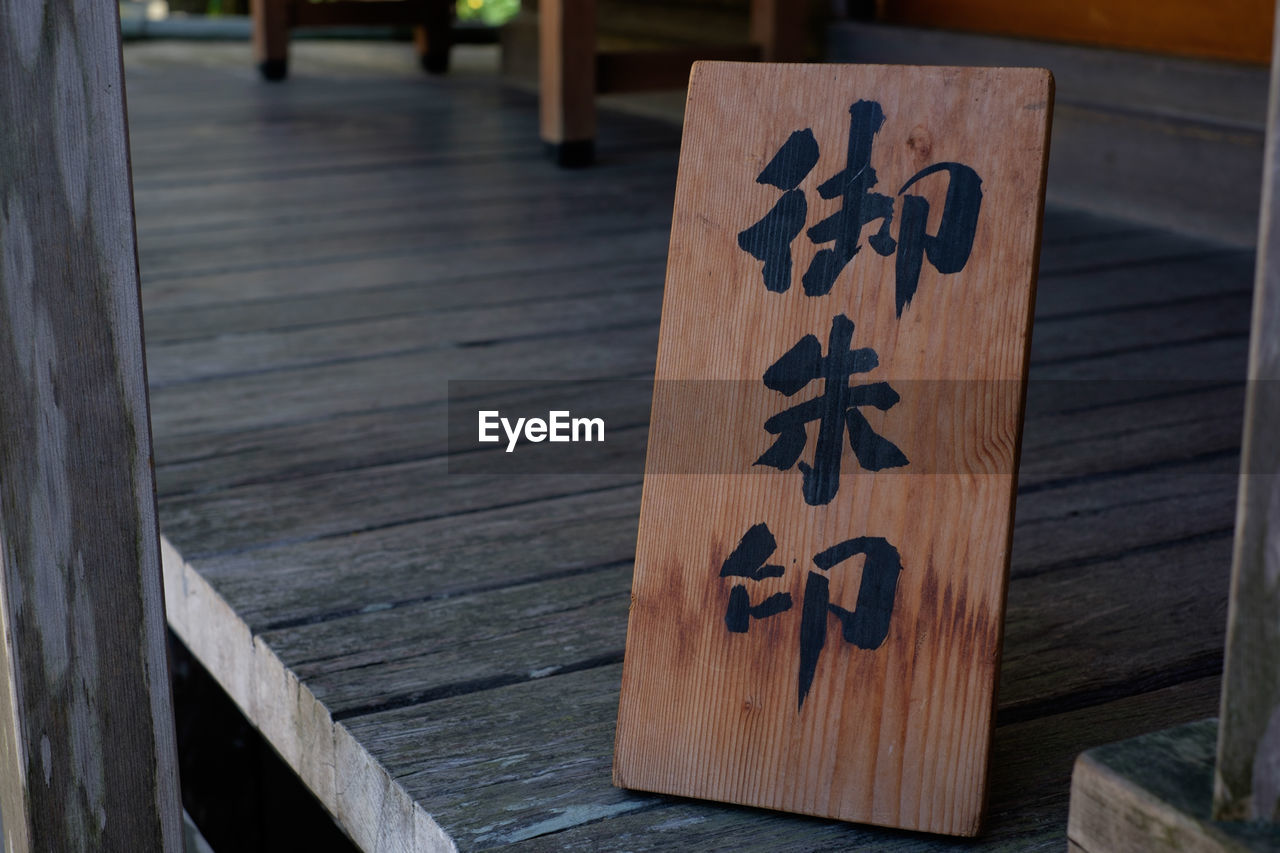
(1035, 764)
(893, 734)
(1155, 793)
(371, 807)
(290, 586)
(86, 729)
(1237, 31)
(1247, 783)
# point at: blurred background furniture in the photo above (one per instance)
(572, 70)
(272, 20)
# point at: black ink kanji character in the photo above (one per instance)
(747, 561)
(949, 249)
(837, 409)
(858, 206)
(769, 240)
(867, 625)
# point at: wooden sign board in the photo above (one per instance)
(825, 530)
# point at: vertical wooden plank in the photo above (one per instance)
(87, 757)
(271, 37)
(779, 29)
(1247, 781)
(567, 81)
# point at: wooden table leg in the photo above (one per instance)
(779, 28)
(271, 37)
(434, 37)
(567, 84)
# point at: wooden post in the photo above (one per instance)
(1247, 781)
(779, 29)
(433, 38)
(87, 756)
(271, 37)
(567, 84)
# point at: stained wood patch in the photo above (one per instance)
(825, 529)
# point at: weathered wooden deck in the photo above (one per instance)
(438, 654)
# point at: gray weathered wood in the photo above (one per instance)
(181, 323)
(1154, 793)
(356, 275)
(321, 553)
(509, 741)
(362, 620)
(283, 348)
(86, 729)
(1247, 782)
(255, 517)
(1030, 764)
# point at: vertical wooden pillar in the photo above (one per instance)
(567, 79)
(1247, 781)
(779, 28)
(87, 756)
(271, 37)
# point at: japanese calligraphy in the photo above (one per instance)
(747, 561)
(822, 558)
(866, 626)
(837, 408)
(858, 205)
(769, 240)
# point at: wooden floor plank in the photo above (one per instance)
(572, 762)
(362, 243)
(420, 561)
(386, 656)
(1086, 287)
(225, 340)
(1059, 446)
(256, 517)
(386, 198)
(1031, 763)
(239, 354)
(287, 395)
(408, 264)
(271, 312)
